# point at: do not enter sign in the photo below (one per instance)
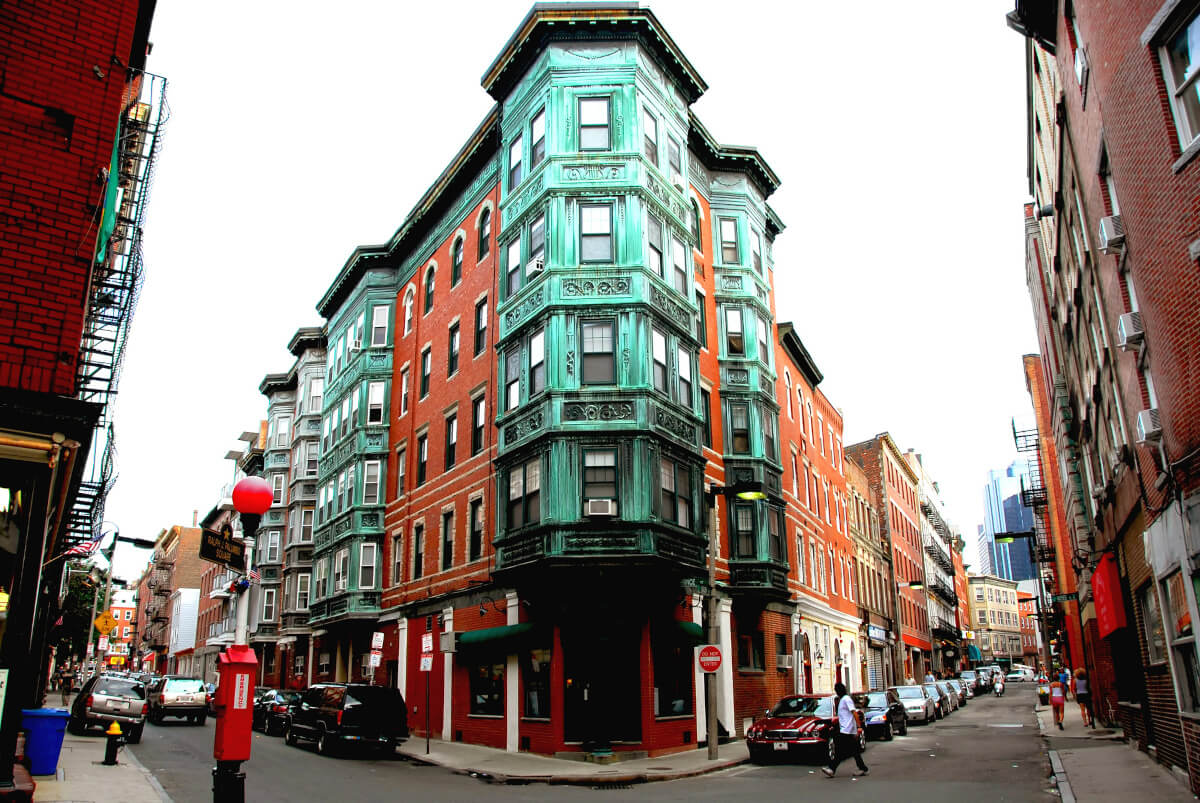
(709, 657)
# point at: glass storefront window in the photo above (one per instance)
(536, 674)
(1152, 623)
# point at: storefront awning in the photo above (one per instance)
(973, 653)
(690, 633)
(495, 638)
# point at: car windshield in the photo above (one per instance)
(288, 696)
(378, 698)
(932, 689)
(120, 687)
(183, 685)
(875, 699)
(811, 706)
(910, 693)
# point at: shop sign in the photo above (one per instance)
(877, 633)
(1106, 591)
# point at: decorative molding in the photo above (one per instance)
(599, 411)
(594, 172)
(370, 519)
(667, 197)
(583, 54)
(766, 386)
(341, 527)
(522, 310)
(675, 425)
(525, 426)
(616, 286)
(375, 440)
(731, 283)
(570, 363)
(675, 311)
(739, 376)
(518, 205)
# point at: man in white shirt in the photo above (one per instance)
(846, 739)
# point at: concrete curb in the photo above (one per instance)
(1060, 778)
(580, 780)
(158, 787)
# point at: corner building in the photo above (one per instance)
(542, 395)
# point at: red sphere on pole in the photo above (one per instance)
(252, 495)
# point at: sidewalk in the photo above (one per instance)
(82, 777)
(501, 766)
(1097, 764)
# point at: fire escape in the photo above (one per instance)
(115, 282)
(1035, 496)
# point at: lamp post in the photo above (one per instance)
(1030, 536)
(142, 543)
(252, 497)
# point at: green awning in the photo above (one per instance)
(690, 632)
(973, 653)
(498, 637)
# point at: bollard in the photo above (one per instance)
(113, 741)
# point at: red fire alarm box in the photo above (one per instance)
(234, 702)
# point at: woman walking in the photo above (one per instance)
(1058, 699)
(1083, 696)
(846, 739)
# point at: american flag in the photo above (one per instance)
(86, 548)
(254, 575)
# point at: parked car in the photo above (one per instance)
(974, 680)
(960, 690)
(919, 705)
(270, 710)
(951, 694)
(883, 712)
(940, 697)
(104, 700)
(1020, 676)
(797, 724)
(968, 688)
(178, 696)
(344, 714)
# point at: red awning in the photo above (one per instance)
(1106, 591)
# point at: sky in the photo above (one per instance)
(299, 130)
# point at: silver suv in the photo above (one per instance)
(178, 696)
(104, 700)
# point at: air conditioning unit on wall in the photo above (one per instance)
(535, 266)
(1130, 332)
(601, 507)
(1149, 427)
(1112, 234)
(783, 661)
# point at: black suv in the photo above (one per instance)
(348, 714)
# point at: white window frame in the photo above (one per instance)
(268, 608)
(379, 326)
(316, 392)
(375, 403)
(283, 429)
(341, 569)
(367, 559)
(371, 485)
(1178, 91)
(278, 486)
(306, 529)
(273, 546)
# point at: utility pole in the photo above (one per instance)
(711, 633)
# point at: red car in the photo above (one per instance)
(797, 724)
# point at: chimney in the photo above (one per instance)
(195, 517)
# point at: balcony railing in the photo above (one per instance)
(935, 551)
(943, 590)
(944, 629)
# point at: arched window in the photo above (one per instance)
(696, 240)
(408, 311)
(787, 384)
(456, 260)
(485, 233)
(429, 290)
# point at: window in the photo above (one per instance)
(487, 689)
(537, 241)
(321, 575)
(404, 391)
(673, 694)
(456, 262)
(701, 320)
(735, 343)
(599, 363)
(397, 559)
(451, 439)
(375, 403)
(306, 525)
(379, 326)
(679, 260)
(341, 569)
(401, 469)
(537, 362)
(478, 411)
(1179, 66)
(674, 483)
(706, 411)
(654, 244)
(801, 569)
(650, 137)
(418, 564)
(277, 482)
(452, 358)
(600, 474)
(684, 366)
(658, 350)
(739, 424)
(475, 519)
(595, 233)
(513, 268)
(485, 234)
(429, 277)
(447, 539)
(316, 387)
(310, 459)
(408, 311)
(675, 161)
(537, 136)
(524, 494)
(268, 611)
(366, 566)
(535, 673)
(426, 367)
(1180, 633)
(764, 353)
(697, 239)
(283, 428)
(750, 651)
(302, 585)
(481, 315)
(593, 124)
(371, 482)
(768, 433)
(775, 534)
(729, 241)
(755, 251)
(743, 526)
(514, 163)
(512, 379)
(347, 488)
(422, 458)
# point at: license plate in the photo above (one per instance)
(781, 746)
(119, 706)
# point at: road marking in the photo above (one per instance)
(1005, 725)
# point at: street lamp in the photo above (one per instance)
(252, 497)
(141, 543)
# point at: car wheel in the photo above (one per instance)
(904, 726)
(831, 749)
(289, 736)
(200, 720)
(135, 735)
(324, 744)
(76, 727)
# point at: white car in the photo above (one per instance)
(1019, 676)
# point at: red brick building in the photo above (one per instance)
(1027, 609)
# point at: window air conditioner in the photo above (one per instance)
(601, 507)
(535, 266)
(783, 661)
(356, 345)
(1129, 331)
(1112, 234)
(677, 180)
(1149, 428)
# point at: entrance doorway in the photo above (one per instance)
(601, 687)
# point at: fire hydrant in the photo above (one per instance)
(114, 740)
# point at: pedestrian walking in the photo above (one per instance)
(66, 682)
(846, 740)
(1083, 696)
(1058, 700)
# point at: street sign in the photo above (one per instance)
(1072, 597)
(376, 658)
(221, 547)
(426, 642)
(376, 641)
(709, 657)
(105, 623)
(103, 643)
(426, 662)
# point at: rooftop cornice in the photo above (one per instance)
(733, 158)
(306, 337)
(273, 383)
(799, 354)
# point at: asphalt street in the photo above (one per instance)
(988, 751)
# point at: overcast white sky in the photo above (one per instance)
(300, 130)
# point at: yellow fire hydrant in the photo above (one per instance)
(114, 739)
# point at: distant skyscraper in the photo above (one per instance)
(1003, 512)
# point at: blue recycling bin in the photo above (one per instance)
(44, 728)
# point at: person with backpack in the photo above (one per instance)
(846, 738)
